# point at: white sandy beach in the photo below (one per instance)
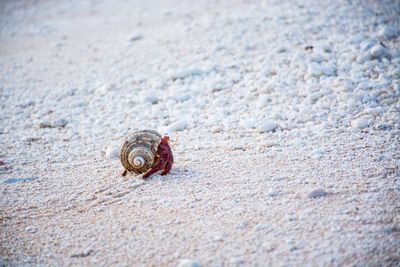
(288, 116)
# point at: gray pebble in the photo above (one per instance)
(31, 229)
(82, 254)
(383, 126)
(317, 193)
(44, 124)
(391, 229)
(278, 178)
(274, 193)
(135, 38)
(60, 123)
(55, 124)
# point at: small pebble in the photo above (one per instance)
(360, 123)
(274, 193)
(262, 227)
(318, 153)
(104, 89)
(382, 158)
(391, 229)
(152, 99)
(135, 38)
(242, 225)
(112, 151)
(82, 254)
(263, 101)
(217, 238)
(317, 70)
(177, 126)
(188, 263)
(378, 51)
(237, 261)
(248, 123)
(20, 180)
(366, 45)
(317, 193)
(388, 32)
(383, 126)
(217, 129)
(45, 124)
(268, 246)
(31, 229)
(267, 126)
(183, 73)
(278, 178)
(60, 123)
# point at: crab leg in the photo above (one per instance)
(167, 168)
(174, 143)
(160, 165)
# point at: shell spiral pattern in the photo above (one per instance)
(138, 151)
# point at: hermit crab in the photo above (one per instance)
(146, 152)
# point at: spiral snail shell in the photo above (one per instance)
(138, 151)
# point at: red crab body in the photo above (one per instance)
(164, 157)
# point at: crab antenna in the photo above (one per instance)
(174, 143)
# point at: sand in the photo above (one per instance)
(288, 120)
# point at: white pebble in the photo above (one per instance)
(374, 111)
(360, 123)
(60, 123)
(104, 89)
(248, 123)
(181, 74)
(180, 96)
(188, 263)
(263, 101)
(152, 99)
(318, 153)
(236, 261)
(317, 70)
(388, 32)
(366, 45)
(313, 97)
(217, 129)
(176, 126)
(377, 51)
(112, 151)
(267, 126)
